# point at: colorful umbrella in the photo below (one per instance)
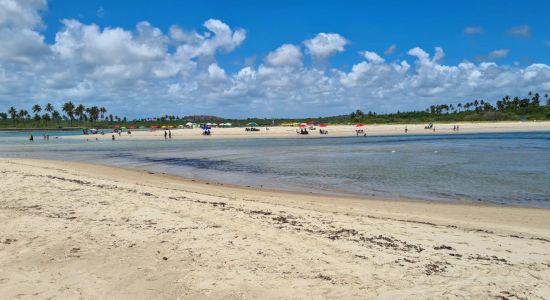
(303, 125)
(323, 125)
(360, 125)
(312, 122)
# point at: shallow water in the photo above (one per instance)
(508, 168)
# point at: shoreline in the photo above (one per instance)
(72, 229)
(374, 130)
(333, 131)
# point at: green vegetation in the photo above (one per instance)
(532, 107)
(48, 117)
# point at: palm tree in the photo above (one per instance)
(36, 109)
(93, 112)
(56, 116)
(102, 111)
(79, 112)
(547, 99)
(68, 108)
(23, 115)
(13, 114)
(49, 107)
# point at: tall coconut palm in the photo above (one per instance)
(13, 114)
(23, 115)
(102, 111)
(79, 112)
(68, 108)
(49, 107)
(37, 109)
(56, 116)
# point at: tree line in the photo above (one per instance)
(47, 115)
(534, 106)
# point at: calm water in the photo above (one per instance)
(511, 168)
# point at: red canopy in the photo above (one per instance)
(153, 126)
(117, 126)
(360, 125)
(323, 125)
(303, 125)
(312, 122)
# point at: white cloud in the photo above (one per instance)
(144, 71)
(21, 13)
(216, 73)
(499, 53)
(373, 57)
(520, 31)
(21, 45)
(471, 30)
(324, 45)
(391, 49)
(285, 55)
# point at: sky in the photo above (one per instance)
(270, 59)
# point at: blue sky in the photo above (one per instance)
(505, 45)
(373, 25)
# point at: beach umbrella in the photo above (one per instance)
(359, 125)
(252, 124)
(303, 125)
(322, 125)
(122, 127)
(311, 123)
(132, 127)
(117, 126)
(228, 124)
(170, 126)
(153, 127)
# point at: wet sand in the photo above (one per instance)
(75, 230)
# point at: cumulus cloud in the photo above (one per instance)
(373, 57)
(285, 55)
(520, 31)
(471, 30)
(324, 45)
(21, 13)
(145, 71)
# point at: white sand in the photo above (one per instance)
(334, 131)
(73, 230)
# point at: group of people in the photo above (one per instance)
(168, 134)
(456, 128)
(46, 137)
(302, 131)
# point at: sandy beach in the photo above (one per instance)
(75, 230)
(334, 131)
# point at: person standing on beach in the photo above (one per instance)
(165, 135)
(169, 134)
(113, 137)
(406, 130)
(31, 138)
